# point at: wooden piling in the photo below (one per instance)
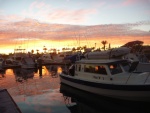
(40, 67)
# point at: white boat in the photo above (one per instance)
(28, 63)
(23, 59)
(8, 63)
(114, 78)
(122, 53)
(46, 59)
(59, 58)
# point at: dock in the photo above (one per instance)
(7, 104)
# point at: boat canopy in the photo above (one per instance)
(104, 61)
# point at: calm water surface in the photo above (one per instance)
(44, 94)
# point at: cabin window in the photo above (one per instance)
(115, 69)
(78, 67)
(89, 68)
(95, 69)
(101, 70)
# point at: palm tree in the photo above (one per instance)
(104, 42)
(44, 48)
(37, 51)
(73, 49)
(32, 51)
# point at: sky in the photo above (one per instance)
(34, 24)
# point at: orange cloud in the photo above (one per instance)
(33, 34)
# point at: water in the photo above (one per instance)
(45, 94)
(34, 93)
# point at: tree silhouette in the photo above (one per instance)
(32, 51)
(104, 42)
(37, 51)
(44, 48)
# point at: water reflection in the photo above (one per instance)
(32, 93)
(54, 70)
(2, 73)
(24, 74)
(79, 101)
(35, 94)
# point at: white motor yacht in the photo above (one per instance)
(114, 78)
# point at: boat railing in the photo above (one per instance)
(147, 78)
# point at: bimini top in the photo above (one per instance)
(101, 61)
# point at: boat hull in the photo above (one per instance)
(125, 92)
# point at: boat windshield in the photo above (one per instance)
(115, 68)
(126, 66)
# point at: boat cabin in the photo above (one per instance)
(101, 69)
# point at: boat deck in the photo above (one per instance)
(7, 104)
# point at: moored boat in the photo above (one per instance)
(114, 78)
(28, 63)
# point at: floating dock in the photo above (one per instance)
(7, 104)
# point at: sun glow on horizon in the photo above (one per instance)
(58, 45)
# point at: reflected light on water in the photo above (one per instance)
(9, 72)
(45, 72)
(34, 93)
(59, 70)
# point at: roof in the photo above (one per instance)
(100, 61)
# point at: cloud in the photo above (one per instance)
(37, 30)
(56, 35)
(131, 2)
(51, 14)
(11, 18)
(70, 16)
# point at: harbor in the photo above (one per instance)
(56, 82)
(33, 93)
(74, 56)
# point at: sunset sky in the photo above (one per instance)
(33, 24)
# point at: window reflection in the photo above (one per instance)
(115, 69)
(95, 69)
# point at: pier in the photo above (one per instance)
(7, 105)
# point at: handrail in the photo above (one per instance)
(147, 78)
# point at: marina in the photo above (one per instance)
(34, 93)
(74, 56)
(63, 83)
